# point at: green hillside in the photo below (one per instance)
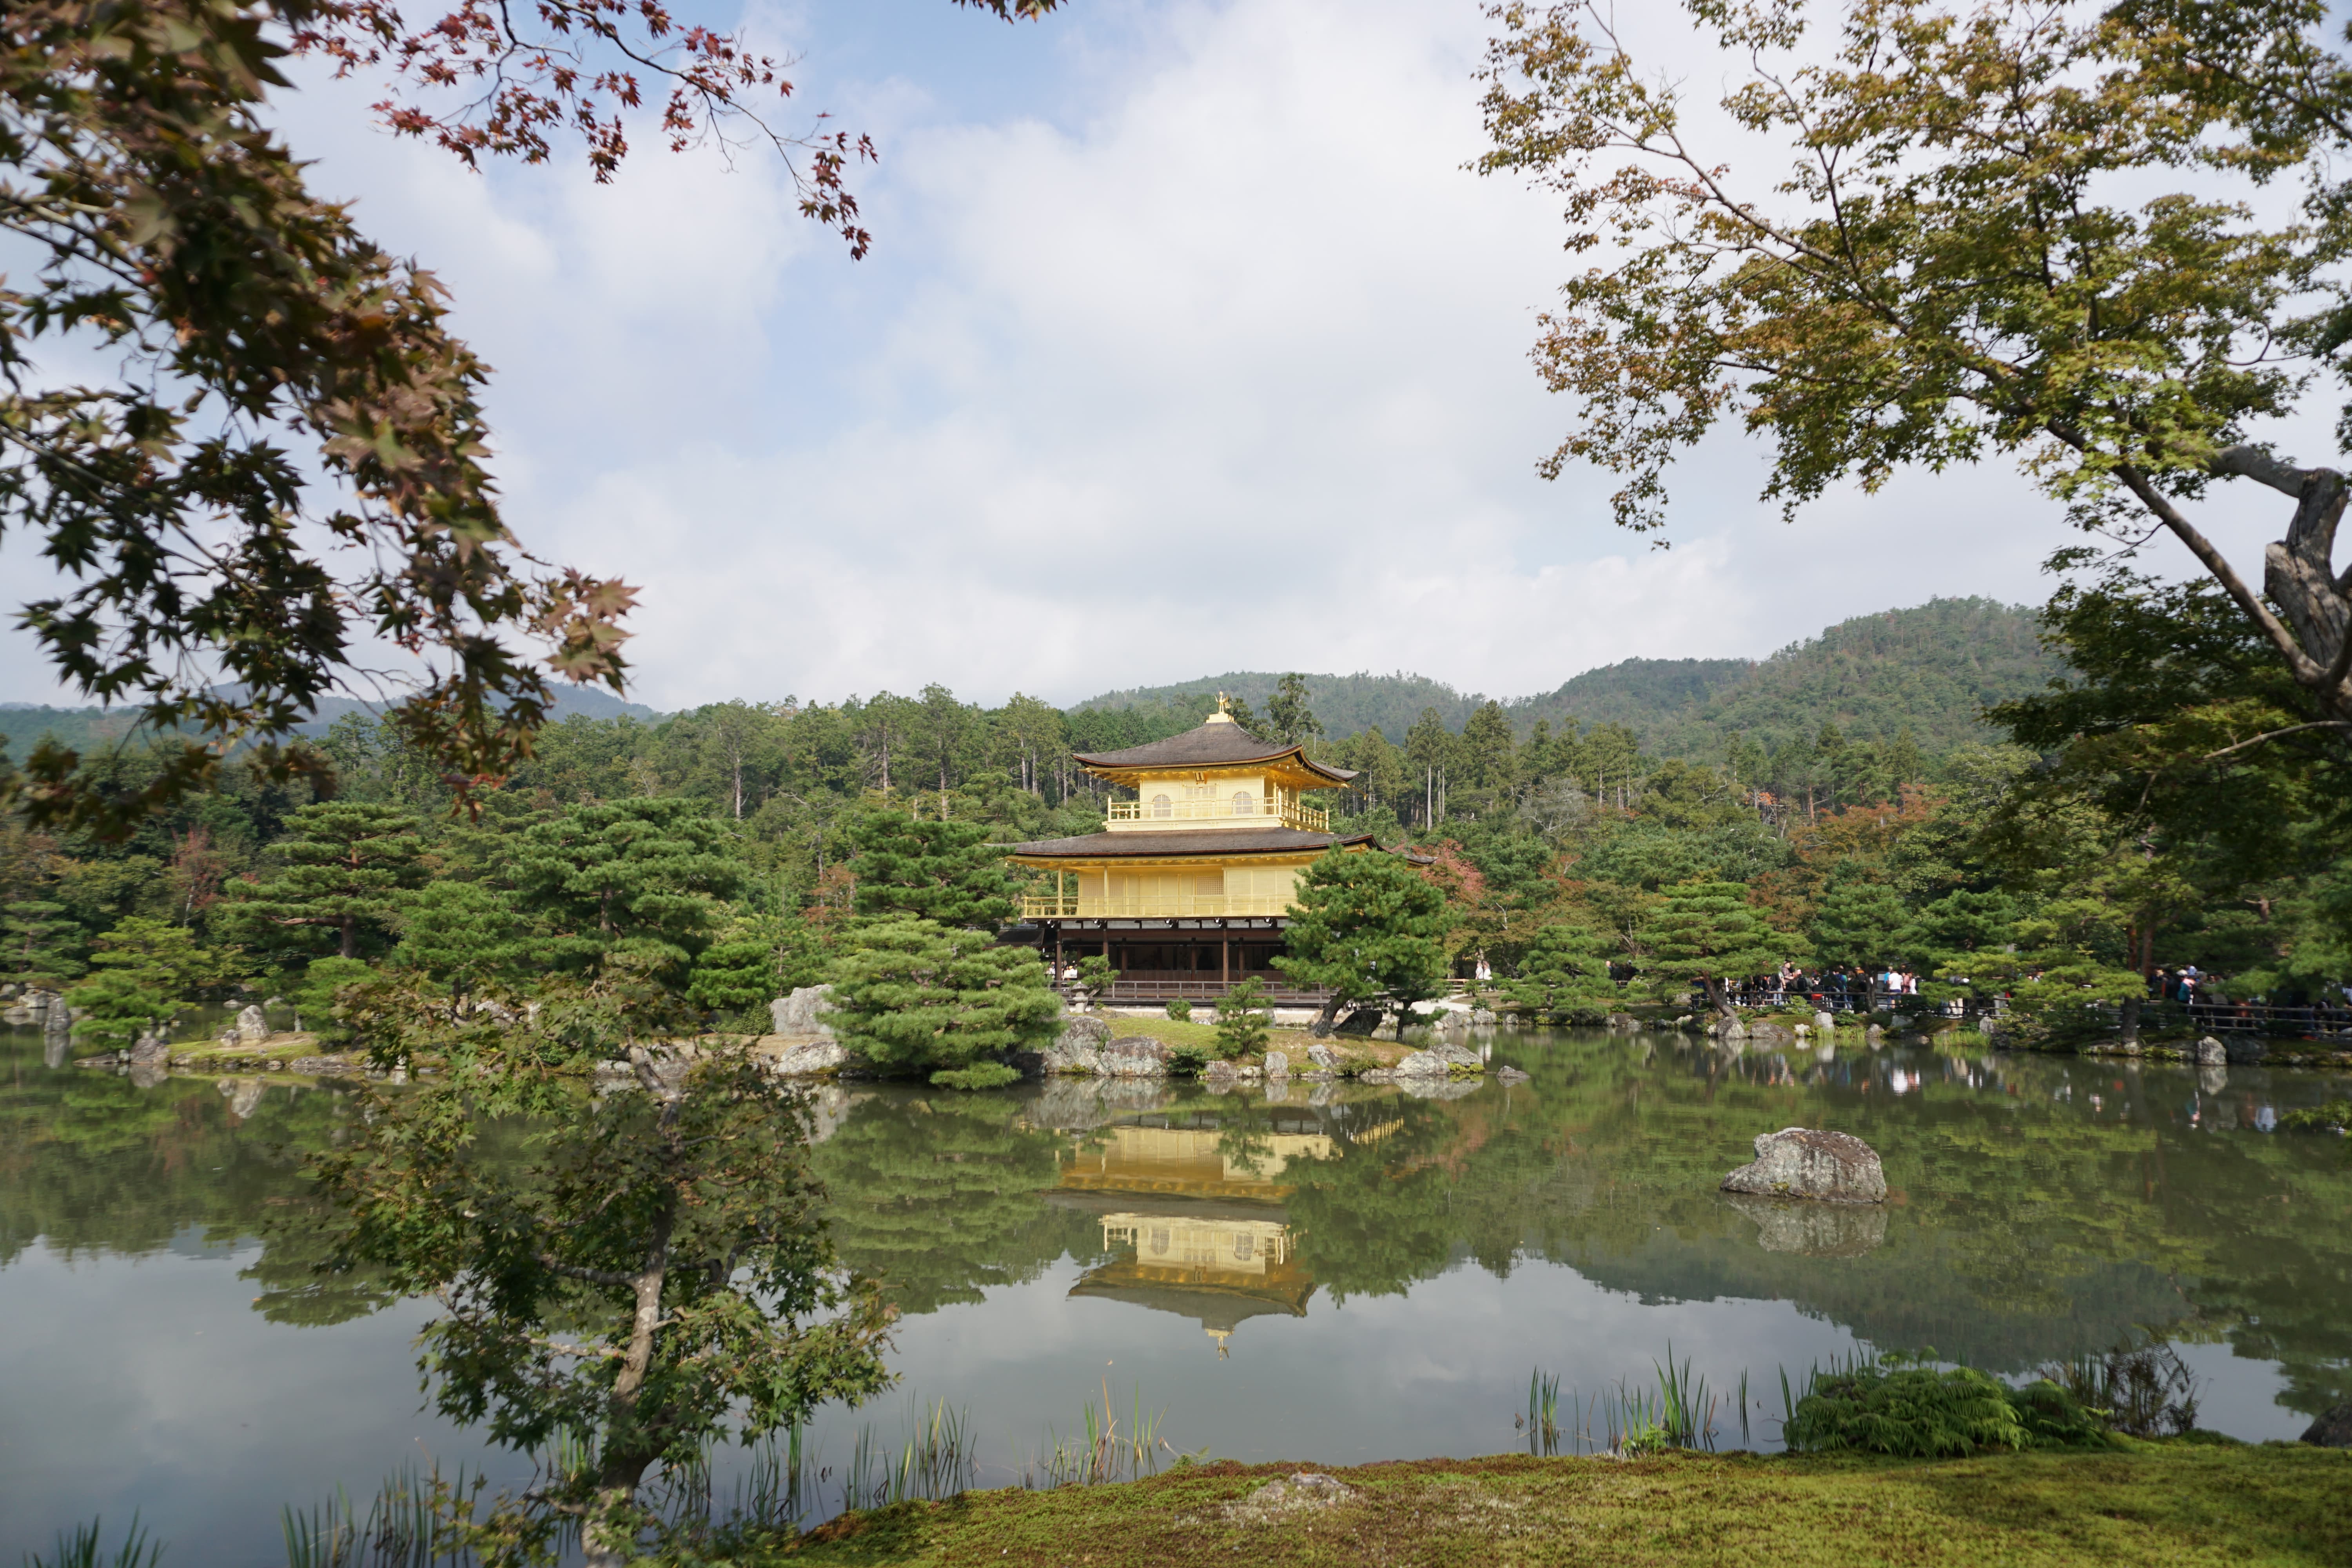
(1930, 669)
(23, 724)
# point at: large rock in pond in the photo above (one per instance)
(810, 1058)
(1277, 1064)
(1808, 1163)
(252, 1028)
(2332, 1430)
(1137, 1056)
(801, 1014)
(1077, 1048)
(1441, 1060)
(2211, 1053)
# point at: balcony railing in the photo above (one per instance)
(1171, 906)
(1288, 812)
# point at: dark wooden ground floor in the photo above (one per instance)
(1157, 961)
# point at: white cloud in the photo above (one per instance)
(1224, 366)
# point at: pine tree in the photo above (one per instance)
(1366, 927)
(1857, 923)
(1242, 1020)
(1563, 976)
(1709, 934)
(758, 958)
(919, 997)
(464, 934)
(1289, 712)
(647, 878)
(935, 871)
(41, 940)
(140, 975)
(346, 862)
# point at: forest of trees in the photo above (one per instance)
(724, 847)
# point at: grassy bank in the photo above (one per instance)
(2181, 1504)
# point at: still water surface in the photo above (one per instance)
(1341, 1273)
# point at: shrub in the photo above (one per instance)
(1243, 1019)
(1178, 1010)
(1900, 1407)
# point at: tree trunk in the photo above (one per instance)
(2130, 1011)
(1718, 999)
(351, 935)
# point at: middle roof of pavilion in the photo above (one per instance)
(1219, 743)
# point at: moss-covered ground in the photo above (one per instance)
(2178, 1504)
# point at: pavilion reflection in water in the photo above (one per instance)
(1197, 1211)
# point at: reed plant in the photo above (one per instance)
(413, 1522)
(82, 1549)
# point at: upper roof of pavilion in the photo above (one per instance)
(1219, 742)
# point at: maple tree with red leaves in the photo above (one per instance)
(289, 452)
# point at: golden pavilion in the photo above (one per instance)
(1189, 888)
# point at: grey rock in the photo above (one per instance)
(2332, 1430)
(1809, 1163)
(1826, 1022)
(1323, 1056)
(1440, 1061)
(2212, 1052)
(149, 1048)
(252, 1028)
(2246, 1050)
(1137, 1056)
(813, 1056)
(1482, 1016)
(1768, 1035)
(1277, 1064)
(1078, 1047)
(802, 1013)
(1813, 1230)
(1733, 1029)
(1510, 1075)
(1376, 1075)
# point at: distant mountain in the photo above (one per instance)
(1931, 669)
(24, 723)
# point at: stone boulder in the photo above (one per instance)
(810, 1058)
(1825, 1022)
(1441, 1060)
(1078, 1049)
(1510, 1075)
(2332, 1430)
(1322, 1057)
(801, 1014)
(1808, 1163)
(1137, 1056)
(1277, 1064)
(1813, 1230)
(2211, 1053)
(252, 1028)
(2246, 1050)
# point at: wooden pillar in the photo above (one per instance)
(1224, 957)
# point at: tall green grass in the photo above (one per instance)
(82, 1549)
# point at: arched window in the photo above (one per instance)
(1242, 806)
(1244, 1244)
(1162, 806)
(1160, 1243)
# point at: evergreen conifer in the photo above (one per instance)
(930, 869)
(1709, 933)
(1366, 928)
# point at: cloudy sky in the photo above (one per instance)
(1186, 345)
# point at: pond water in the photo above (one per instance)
(1339, 1273)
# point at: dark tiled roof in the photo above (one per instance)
(1211, 744)
(1202, 841)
